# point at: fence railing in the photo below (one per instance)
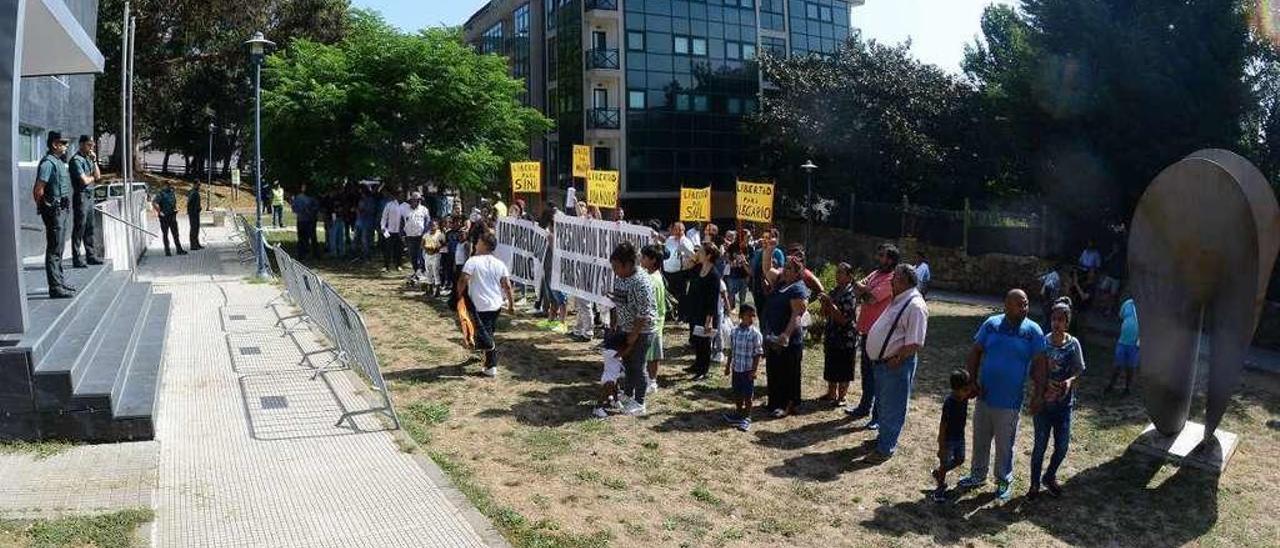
(602, 59)
(978, 232)
(604, 118)
(340, 322)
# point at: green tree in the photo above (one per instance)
(406, 108)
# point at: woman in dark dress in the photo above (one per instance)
(841, 336)
(701, 307)
(784, 338)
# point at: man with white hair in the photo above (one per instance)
(895, 340)
(415, 218)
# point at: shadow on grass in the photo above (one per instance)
(825, 467)
(1107, 505)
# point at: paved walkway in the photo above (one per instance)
(248, 451)
(83, 479)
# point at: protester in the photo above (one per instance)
(415, 219)
(651, 261)
(784, 339)
(1052, 398)
(1127, 353)
(1000, 362)
(898, 336)
(368, 215)
(635, 310)
(739, 268)
(463, 249)
(680, 259)
(955, 414)
(701, 308)
(571, 200)
(277, 205)
(499, 208)
(811, 280)
(758, 282)
(392, 225)
(584, 328)
(486, 281)
(432, 243)
(840, 341)
(875, 291)
(306, 209)
(746, 346)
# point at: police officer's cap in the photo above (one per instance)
(55, 137)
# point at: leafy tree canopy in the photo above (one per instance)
(409, 109)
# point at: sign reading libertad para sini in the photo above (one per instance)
(522, 245)
(755, 202)
(526, 177)
(581, 260)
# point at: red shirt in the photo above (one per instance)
(881, 288)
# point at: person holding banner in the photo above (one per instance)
(784, 338)
(635, 313)
(701, 307)
(485, 282)
(585, 326)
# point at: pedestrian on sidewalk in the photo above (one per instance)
(307, 211)
(1053, 397)
(875, 291)
(166, 205)
(1004, 350)
(392, 243)
(486, 283)
(415, 220)
(194, 207)
(897, 336)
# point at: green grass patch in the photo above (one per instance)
(117, 529)
(705, 496)
(36, 449)
(546, 443)
(419, 417)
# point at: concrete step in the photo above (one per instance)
(48, 318)
(136, 392)
(53, 376)
(96, 372)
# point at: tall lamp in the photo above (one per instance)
(809, 167)
(258, 46)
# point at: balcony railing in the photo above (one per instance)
(604, 118)
(611, 5)
(602, 59)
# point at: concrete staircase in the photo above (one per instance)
(89, 367)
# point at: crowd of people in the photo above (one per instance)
(745, 301)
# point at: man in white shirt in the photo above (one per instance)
(680, 259)
(487, 283)
(415, 218)
(893, 342)
(392, 243)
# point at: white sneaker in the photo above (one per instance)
(600, 413)
(653, 387)
(635, 409)
(491, 372)
(719, 358)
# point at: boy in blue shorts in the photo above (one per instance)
(1126, 347)
(955, 415)
(746, 345)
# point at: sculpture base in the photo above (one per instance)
(1186, 449)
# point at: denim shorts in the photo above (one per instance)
(743, 385)
(1126, 356)
(954, 454)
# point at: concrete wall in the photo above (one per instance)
(49, 104)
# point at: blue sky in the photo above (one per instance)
(939, 29)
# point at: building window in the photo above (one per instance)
(747, 3)
(811, 11)
(635, 99)
(522, 20)
(549, 7)
(735, 105)
(776, 47)
(748, 51)
(635, 41)
(824, 13)
(732, 50)
(700, 103)
(682, 102)
(700, 47)
(29, 144)
(682, 45)
(491, 40)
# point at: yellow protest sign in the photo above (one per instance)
(602, 188)
(581, 160)
(695, 204)
(526, 177)
(755, 202)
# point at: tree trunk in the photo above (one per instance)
(164, 166)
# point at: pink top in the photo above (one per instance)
(879, 283)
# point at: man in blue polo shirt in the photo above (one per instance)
(1003, 352)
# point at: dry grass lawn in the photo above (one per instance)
(525, 449)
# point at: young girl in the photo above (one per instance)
(431, 244)
(651, 260)
(1052, 397)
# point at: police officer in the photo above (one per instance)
(52, 194)
(84, 175)
(166, 204)
(193, 216)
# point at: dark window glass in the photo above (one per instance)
(811, 11)
(732, 50)
(700, 103)
(682, 101)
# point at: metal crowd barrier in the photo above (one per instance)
(243, 236)
(339, 322)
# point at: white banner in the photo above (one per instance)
(580, 267)
(522, 245)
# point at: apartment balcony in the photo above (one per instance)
(603, 59)
(601, 11)
(600, 5)
(604, 118)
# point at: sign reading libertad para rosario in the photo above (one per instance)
(602, 188)
(581, 160)
(526, 177)
(695, 204)
(755, 202)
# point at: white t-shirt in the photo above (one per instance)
(680, 253)
(460, 256)
(485, 283)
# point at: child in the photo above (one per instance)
(651, 257)
(1052, 397)
(609, 379)
(1126, 347)
(746, 345)
(955, 414)
(431, 244)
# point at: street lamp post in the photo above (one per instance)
(809, 167)
(257, 52)
(209, 171)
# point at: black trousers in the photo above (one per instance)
(168, 227)
(193, 224)
(486, 329)
(55, 231)
(82, 227)
(392, 251)
(782, 366)
(306, 237)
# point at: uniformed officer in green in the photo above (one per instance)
(193, 216)
(52, 193)
(84, 175)
(166, 204)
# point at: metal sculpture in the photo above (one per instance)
(1203, 242)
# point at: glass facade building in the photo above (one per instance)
(660, 88)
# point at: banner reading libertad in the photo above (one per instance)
(582, 248)
(522, 245)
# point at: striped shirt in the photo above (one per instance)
(745, 343)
